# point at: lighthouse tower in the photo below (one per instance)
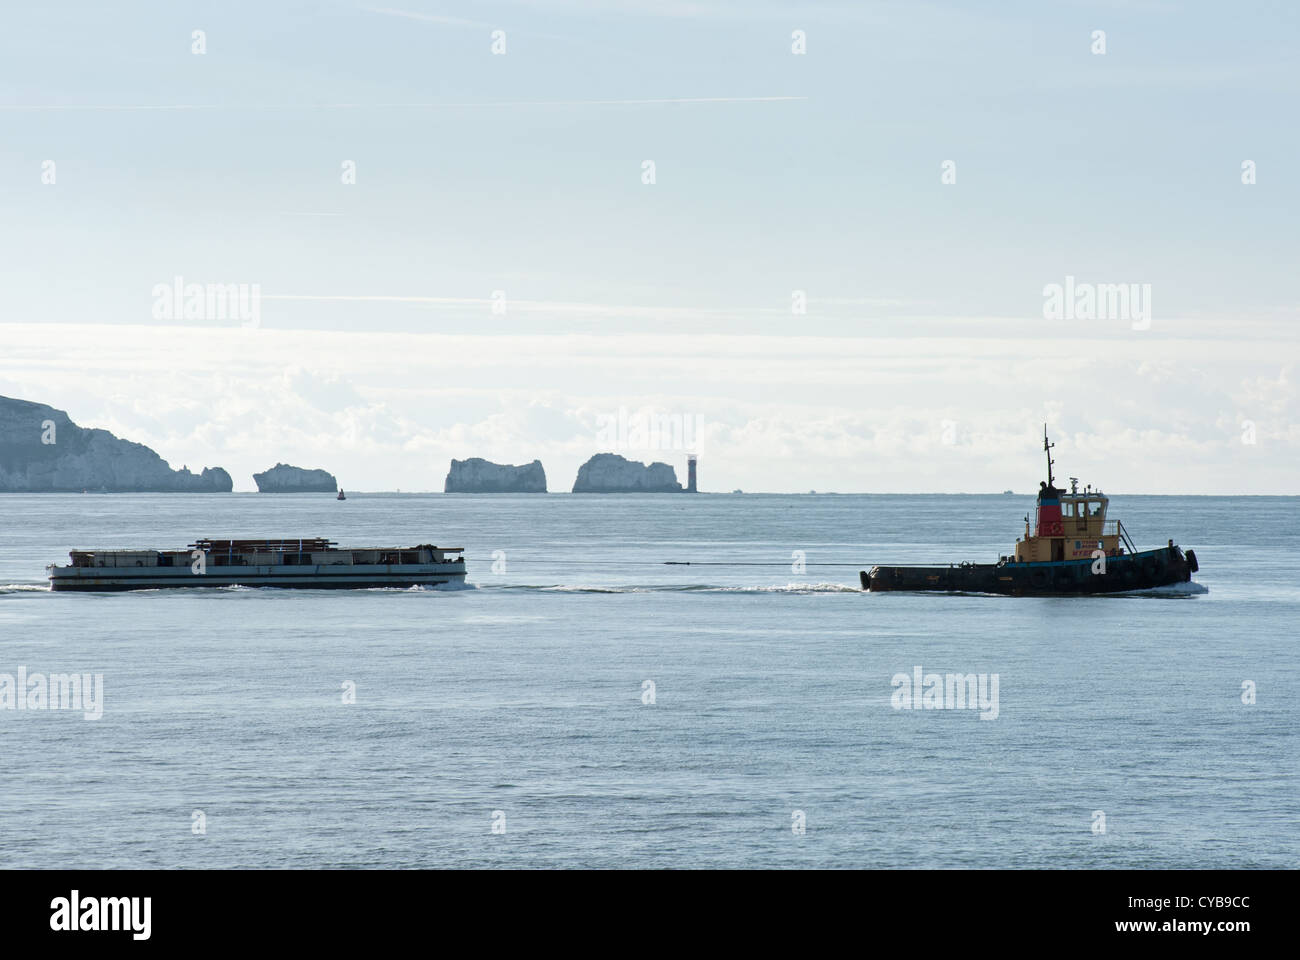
(690, 473)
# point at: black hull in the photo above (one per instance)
(1137, 571)
(335, 584)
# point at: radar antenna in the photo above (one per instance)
(1047, 448)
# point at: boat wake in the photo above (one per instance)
(24, 588)
(794, 588)
(417, 588)
(788, 588)
(1189, 588)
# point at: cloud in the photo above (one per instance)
(385, 410)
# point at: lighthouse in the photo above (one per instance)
(690, 473)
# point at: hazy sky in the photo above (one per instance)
(924, 360)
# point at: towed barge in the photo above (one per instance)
(1071, 549)
(311, 564)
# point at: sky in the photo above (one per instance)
(838, 274)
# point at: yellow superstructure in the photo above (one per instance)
(1072, 528)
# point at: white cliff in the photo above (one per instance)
(477, 475)
(611, 473)
(283, 478)
(43, 451)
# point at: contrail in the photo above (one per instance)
(393, 106)
(428, 17)
(570, 307)
(376, 298)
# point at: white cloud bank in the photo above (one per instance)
(776, 413)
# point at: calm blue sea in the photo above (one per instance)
(519, 700)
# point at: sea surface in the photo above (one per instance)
(506, 724)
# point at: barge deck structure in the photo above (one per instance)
(311, 564)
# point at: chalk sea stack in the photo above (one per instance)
(477, 475)
(283, 478)
(612, 473)
(43, 451)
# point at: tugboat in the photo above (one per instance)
(1072, 549)
(312, 564)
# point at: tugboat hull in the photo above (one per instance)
(1121, 574)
